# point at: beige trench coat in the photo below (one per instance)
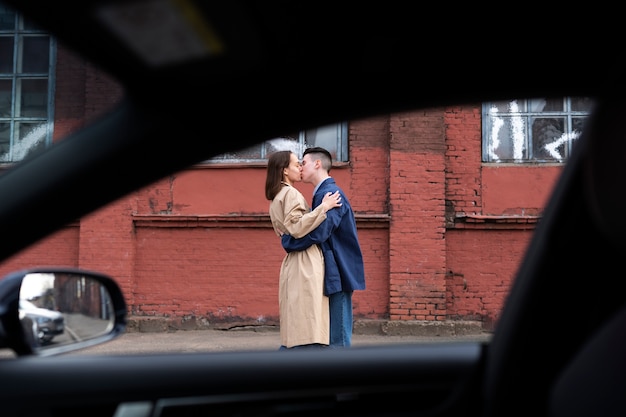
(304, 311)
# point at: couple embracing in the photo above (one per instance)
(324, 264)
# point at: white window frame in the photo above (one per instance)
(334, 139)
(17, 145)
(507, 130)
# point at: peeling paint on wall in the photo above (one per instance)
(28, 143)
(282, 144)
(555, 138)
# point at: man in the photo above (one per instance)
(337, 236)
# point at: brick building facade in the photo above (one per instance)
(442, 233)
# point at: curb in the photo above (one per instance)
(363, 327)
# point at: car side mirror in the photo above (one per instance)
(48, 311)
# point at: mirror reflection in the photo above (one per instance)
(63, 308)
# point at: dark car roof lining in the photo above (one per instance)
(532, 338)
(362, 69)
(593, 383)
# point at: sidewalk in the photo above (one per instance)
(268, 338)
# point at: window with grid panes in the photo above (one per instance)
(26, 86)
(532, 130)
(332, 137)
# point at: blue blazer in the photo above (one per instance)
(337, 236)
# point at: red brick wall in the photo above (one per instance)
(367, 187)
(463, 159)
(81, 93)
(480, 270)
(417, 207)
(225, 274)
(218, 274)
(59, 249)
(107, 243)
(481, 261)
(197, 246)
(69, 102)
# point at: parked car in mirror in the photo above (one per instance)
(44, 323)
(46, 311)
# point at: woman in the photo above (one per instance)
(303, 307)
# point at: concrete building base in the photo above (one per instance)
(364, 327)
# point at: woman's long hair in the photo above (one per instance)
(276, 163)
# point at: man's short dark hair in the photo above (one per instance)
(323, 153)
(318, 149)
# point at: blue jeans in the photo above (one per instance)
(340, 319)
